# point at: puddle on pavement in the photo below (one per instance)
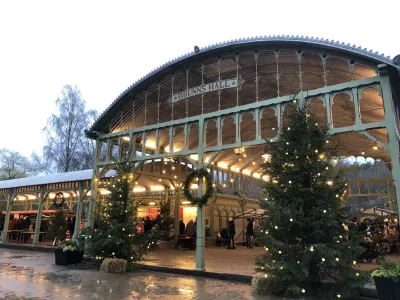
(24, 277)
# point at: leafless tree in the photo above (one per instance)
(67, 149)
(13, 165)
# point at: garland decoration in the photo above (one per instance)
(209, 187)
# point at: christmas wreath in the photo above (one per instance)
(209, 186)
(59, 199)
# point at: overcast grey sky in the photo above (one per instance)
(104, 46)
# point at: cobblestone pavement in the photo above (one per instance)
(33, 275)
(221, 260)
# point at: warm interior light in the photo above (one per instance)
(222, 165)
(66, 195)
(31, 197)
(266, 157)
(330, 182)
(265, 178)
(52, 195)
(126, 138)
(363, 153)
(152, 203)
(194, 186)
(186, 202)
(140, 189)
(157, 188)
(256, 175)
(246, 172)
(150, 145)
(105, 192)
(375, 147)
(194, 156)
(21, 198)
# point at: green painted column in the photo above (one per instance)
(4, 235)
(391, 129)
(42, 197)
(201, 228)
(78, 215)
(177, 206)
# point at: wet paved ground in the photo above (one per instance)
(33, 275)
(220, 260)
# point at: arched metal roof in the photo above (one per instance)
(284, 40)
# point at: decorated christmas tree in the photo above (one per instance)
(164, 220)
(115, 231)
(307, 249)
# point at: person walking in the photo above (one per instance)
(232, 232)
(250, 233)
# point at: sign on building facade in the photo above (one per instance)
(205, 88)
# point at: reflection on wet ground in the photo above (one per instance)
(33, 275)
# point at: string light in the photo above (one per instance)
(354, 262)
(276, 227)
(337, 259)
(324, 211)
(303, 291)
(291, 220)
(338, 295)
(375, 147)
(312, 249)
(323, 259)
(280, 252)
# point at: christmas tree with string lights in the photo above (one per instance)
(115, 232)
(307, 249)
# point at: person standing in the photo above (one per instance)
(181, 227)
(190, 228)
(12, 225)
(250, 233)
(147, 225)
(25, 227)
(232, 232)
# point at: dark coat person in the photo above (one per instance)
(232, 232)
(181, 227)
(250, 233)
(147, 225)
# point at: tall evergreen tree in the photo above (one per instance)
(115, 233)
(308, 251)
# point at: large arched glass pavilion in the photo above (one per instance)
(214, 108)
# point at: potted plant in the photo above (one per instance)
(68, 253)
(387, 281)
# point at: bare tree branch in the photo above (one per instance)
(67, 149)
